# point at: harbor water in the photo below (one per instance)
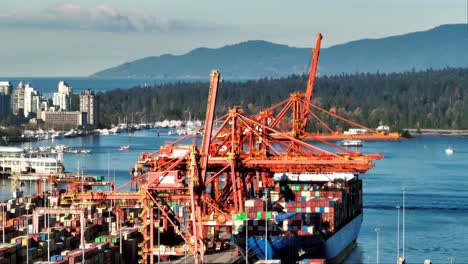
(436, 215)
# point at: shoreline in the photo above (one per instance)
(436, 132)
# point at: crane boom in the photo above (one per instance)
(210, 112)
(311, 80)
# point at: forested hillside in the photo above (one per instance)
(428, 99)
(435, 48)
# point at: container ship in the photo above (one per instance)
(310, 217)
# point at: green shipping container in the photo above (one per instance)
(259, 215)
(99, 178)
(242, 216)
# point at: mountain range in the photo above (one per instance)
(440, 47)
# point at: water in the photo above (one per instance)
(436, 201)
(436, 190)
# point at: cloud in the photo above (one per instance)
(100, 18)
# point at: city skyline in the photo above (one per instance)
(26, 103)
(50, 38)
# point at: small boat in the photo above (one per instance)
(124, 147)
(351, 142)
(449, 151)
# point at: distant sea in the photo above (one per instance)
(48, 85)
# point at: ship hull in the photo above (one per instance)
(290, 249)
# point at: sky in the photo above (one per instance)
(45, 38)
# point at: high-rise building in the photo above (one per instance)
(43, 106)
(18, 100)
(5, 98)
(31, 101)
(89, 105)
(5, 102)
(6, 87)
(63, 98)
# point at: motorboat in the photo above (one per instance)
(124, 148)
(351, 143)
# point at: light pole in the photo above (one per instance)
(27, 234)
(108, 166)
(398, 231)
(3, 222)
(404, 201)
(266, 224)
(82, 231)
(120, 233)
(48, 232)
(246, 240)
(82, 179)
(377, 230)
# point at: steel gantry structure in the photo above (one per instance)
(191, 192)
(301, 109)
(188, 192)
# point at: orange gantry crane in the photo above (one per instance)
(301, 107)
(191, 192)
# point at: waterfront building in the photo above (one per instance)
(63, 98)
(18, 100)
(64, 119)
(89, 105)
(13, 159)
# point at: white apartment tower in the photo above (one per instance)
(88, 105)
(63, 97)
(31, 100)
